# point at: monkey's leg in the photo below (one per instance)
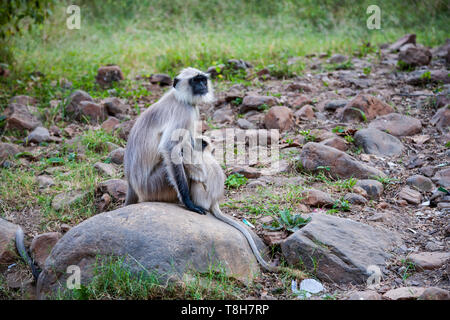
(132, 197)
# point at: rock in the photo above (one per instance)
(429, 260)
(442, 178)
(311, 285)
(24, 100)
(117, 188)
(105, 168)
(338, 249)
(373, 188)
(7, 151)
(110, 124)
(248, 172)
(422, 183)
(315, 157)
(64, 200)
(441, 119)
(333, 105)
(42, 245)
(38, 135)
(239, 64)
(379, 143)
(147, 233)
(245, 124)
(369, 105)
(108, 74)
(234, 93)
(279, 118)
(117, 155)
(354, 198)
(301, 101)
(415, 56)
(434, 293)
(301, 87)
(305, 113)
(365, 295)
(410, 195)
(397, 124)
(123, 129)
(336, 142)
(408, 38)
(224, 115)
(75, 99)
(115, 106)
(161, 79)
(7, 243)
(255, 102)
(420, 77)
(316, 198)
(18, 116)
(404, 293)
(337, 58)
(45, 181)
(92, 111)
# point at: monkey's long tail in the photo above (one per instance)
(23, 253)
(219, 215)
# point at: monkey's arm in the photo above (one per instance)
(177, 176)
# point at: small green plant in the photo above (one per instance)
(386, 180)
(403, 66)
(235, 180)
(308, 136)
(263, 107)
(341, 205)
(237, 101)
(338, 129)
(349, 139)
(408, 266)
(288, 221)
(367, 70)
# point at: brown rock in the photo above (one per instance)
(24, 100)
(117, 155)
(161, 79)
(369, 105)
(105, 168)
(255, 102)
(409, 38)
(7, 151)
(115, 106)
(420, 182)
(73, 108)
(305, 113)
(336, 142)
(117, 188)
(7, 242)
(110, 124)
(410, 195)
(279, 118)
(415, 56)
(18, 116)
(404, 293)
(441, 119)
(442, 178)
(301, 101)
(365, 295)
(248, 172)
(93, 111)
(317, 198)
(108, 74)
(42, 245)
(397, 124)
(429, 260)
(123, 129)
(434, 293)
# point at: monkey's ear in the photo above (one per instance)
(175, 81)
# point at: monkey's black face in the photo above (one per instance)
(199, 85)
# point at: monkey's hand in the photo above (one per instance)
(192, 207)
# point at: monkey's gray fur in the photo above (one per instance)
(149, 167)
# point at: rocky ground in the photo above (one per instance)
(363, 137)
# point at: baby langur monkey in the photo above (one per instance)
(207, 189)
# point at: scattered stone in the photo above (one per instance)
(373, 188)
(45, 181)
(117, 188)
(434, 293)
(239, 64)
(420, 77)
(429, 260)
(442, 178)
(108, 74)
(7, 242)
(73, 108)
(369, 105)
(316, 198)
(224, 115)
(161, 79)
(422, 183)
(273, 237)
(248, 172)
(341, 249)
(354, 198)
(38, 135)
(415, 56)
(117, 155)
(408, 38)
(336, 142)
(305, 113)
(93, 111)
(404, 293)
(245, 124)
(110, 124)
(379, 143)
(115, 106)
(365, 295)
(301, 101)
(397, 124)
(337, 58)
(255, 102)
(7, 151)
(335, 104)
(315, 157)
(123, 129)
(441, 119)
(279, 118)
(42, 245)
(18, 116)
(105, 168)
(410, 195)
(64, 200)
(24, 100)
(147, 233)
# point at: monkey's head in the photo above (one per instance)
(193, 86)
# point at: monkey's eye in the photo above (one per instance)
(204, 144)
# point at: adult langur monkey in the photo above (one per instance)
(207, 189)
(149, 167)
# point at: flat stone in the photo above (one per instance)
(434, 293)
(379, 143)
(316, 198)
(429, 260)
(105, 168)
(422, 183)
(373, 188)
(7, 242)
(397, 124)
(404, 293)
(410, 195)
(42, 245)
(64, 200)
(365, 295)
(38, 135)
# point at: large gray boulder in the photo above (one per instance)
(160, 237)
(337, 249)
(379, 143)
